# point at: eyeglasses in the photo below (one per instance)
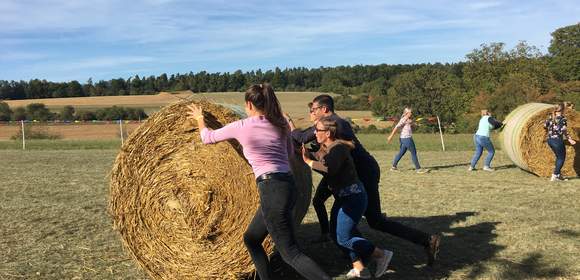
(316, 129)
(315, 108)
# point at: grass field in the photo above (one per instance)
(503, 225)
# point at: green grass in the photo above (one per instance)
(503, 225)
(372, 142)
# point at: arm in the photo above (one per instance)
(290, 122)
(399, 125)
(303, 136)
(494, 123)
(565, 132)
(314, 164)
(209, 136)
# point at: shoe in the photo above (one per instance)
(432, 249)
(471, 168)
(422, 170)
(557, 178)
(487, 168)
(394, 168)
(383, 263)
(361, 274)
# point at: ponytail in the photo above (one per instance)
(262, 96)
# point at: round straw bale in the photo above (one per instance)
(182, 207)
(524, 140)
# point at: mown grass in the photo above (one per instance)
(424, 142)
(503, 225)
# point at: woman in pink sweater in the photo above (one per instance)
(264, 136)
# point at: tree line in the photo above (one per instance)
(39, 112)
(492, 77)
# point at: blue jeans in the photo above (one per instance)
(407, 144)
(348, 215)
(557, 146)
(482, 142)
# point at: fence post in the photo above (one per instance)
(23, 137)
(441, 133)
(121, 129)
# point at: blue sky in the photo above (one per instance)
(62, 40)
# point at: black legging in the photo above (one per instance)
(274, 216)
(369, 174)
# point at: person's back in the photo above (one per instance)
(484, 127)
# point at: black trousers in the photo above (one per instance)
(274, 216)
(369, 174)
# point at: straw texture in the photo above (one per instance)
(181, 207)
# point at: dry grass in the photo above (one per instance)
(503, 225)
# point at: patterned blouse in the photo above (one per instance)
(557, 127)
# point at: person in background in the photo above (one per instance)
(336, 163)
(557, 134)
(482, 140)
(406, 141)
(264, 136)
(369, 174)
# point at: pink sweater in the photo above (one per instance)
(263, 145)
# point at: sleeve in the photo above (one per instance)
(564, 124)
(401, 122)
(494, 123)
(303, 136)
(230, 131)
(547, 123)
(335, 158)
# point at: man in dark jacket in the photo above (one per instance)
(369, 173)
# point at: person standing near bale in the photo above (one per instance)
(369, 174)
(482, 140)
(264, 136)
(337, 166)
(406, 141)
(557, 133)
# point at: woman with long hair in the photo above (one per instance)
(335, 162)
(264, 136)
(556, 125)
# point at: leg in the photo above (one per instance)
(349, 216)
(478, 151)
(253, 238)
(490, 151)
(322, 194)
(277, 197)
(413, 150)
(557, 146)
(402, 151)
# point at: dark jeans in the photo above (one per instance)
(274, 216)
(369, 174)
(347, 216)
(482, 142)
(557, 146)
(407, 144)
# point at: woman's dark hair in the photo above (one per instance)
(262, 96)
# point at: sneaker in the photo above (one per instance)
(422, 170)
(432, 249)
(487, 168)
(383, 263)
(557, 178)
(471, 168)
(394, 168)
(361, 274)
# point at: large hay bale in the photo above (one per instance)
(181, 207)
(524, 140)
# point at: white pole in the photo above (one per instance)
(441, 133)
(23, 138)
(121, 129)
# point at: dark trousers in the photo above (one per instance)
(369, 173)
(274, 216)
(557, 146)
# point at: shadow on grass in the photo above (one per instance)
(463, 246)
(530, 267)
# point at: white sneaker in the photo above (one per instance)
(394, 169)
(471, 168)
(361, 274)
(487, 168)
(383, 263)
(422, 170)
(557, 178)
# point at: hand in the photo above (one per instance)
(287, 117)
(194, 112)
(389, 139)
(572, 141)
